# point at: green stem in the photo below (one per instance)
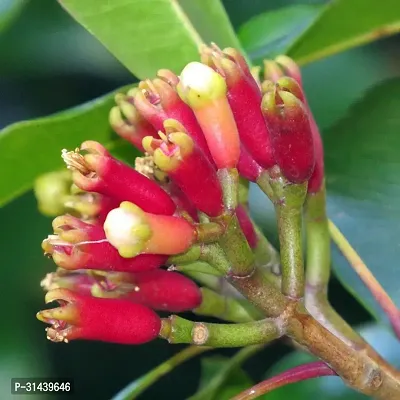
(318, 270)
(211, 281)
(263, 182)
(289, 227)
(190, 256)
(210, 390)
(196, 266)
(288, 199)
(229, 179)
(179, 330)
(237, 249)
(267, 259)
(265, 254)
(225, 308)
(318, 240)
(137, 387)
(256, 287)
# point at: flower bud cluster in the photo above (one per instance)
(122, 224)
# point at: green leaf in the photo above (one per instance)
(9, 10)
(332, 387)
(345, 24)
(363, 170)
(234, 380)
(273, 32)
(211, 22)
(31, 148)
(146, 35)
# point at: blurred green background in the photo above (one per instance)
(49, 63)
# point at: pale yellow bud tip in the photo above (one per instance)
(199, 84)
(126, 229)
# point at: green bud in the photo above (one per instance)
(50, 190)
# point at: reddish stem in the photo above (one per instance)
(303, 372)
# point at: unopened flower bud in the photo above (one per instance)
(292, 139)
(78, 281)
(267, 86)
(293, 71)
(160, 290)
(174, 108)
(51, 190)
(272, 70)
(183, 203)
(128, 123)
(90, 206)
(317, 177)
(78, 245)
(186, 165)
(132, 231)
(106, 320)
(290, 67)
(97, 171)
(147, 101)
(289, 84)
(239, 59)
(247, 167)
(204, 90)
(244, 98)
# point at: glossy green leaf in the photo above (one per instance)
(332, 387)
(273, 32)
(345, 24)
(219, 381)
(363, 170)
(9, 9)
(31, 148)
(211, 21)
(146, 35)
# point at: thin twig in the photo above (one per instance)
(138, 386)
(379, 293)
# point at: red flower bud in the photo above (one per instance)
(77, 281)
(289, 84)
(159, 290)
(239, 59)
(164, 89)
(293, 70)
(247, 167)
(272, 70)
(244, 98)
(79, 245)
(292, 139)
(204, 90)
(99, 172)
(128, 123)
(186, 165)
(317, 177)
(147, 101)
(183, 203)
(246, 226)
(132, 231)
(290, 67)
(106, 320)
